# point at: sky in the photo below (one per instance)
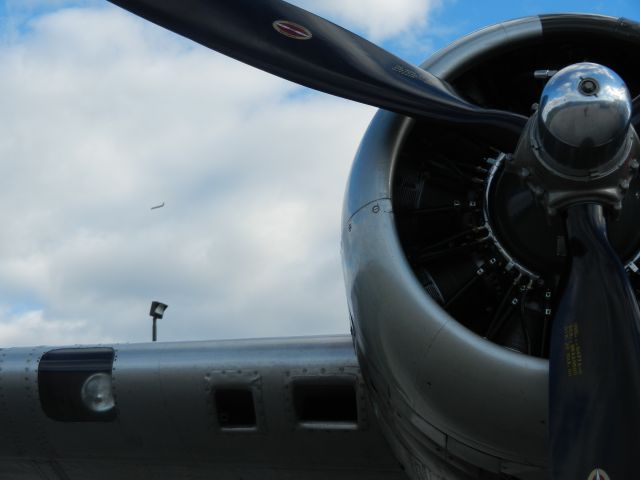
(105, 116)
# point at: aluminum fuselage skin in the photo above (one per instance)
(166, 424)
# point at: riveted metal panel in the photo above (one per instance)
(165, 425)
(21, 411)
(10, 439)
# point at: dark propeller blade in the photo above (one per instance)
(297, 45)
(594, 377)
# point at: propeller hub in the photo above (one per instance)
(579, 146)
(584, 116)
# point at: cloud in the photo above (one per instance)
(105, 115)
(16, 328)
(378, 20)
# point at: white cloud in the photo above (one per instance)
(105, 115)
(23, 328)
(377, 19)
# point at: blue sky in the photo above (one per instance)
(105, 115)
(460, 17)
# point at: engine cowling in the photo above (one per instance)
(453, 268)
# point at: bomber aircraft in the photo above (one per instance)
(490, 250)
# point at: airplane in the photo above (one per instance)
(486, 342)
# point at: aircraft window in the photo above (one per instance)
(75, 385)
(326, 403)
(235, 409)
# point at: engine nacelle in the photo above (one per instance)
(453, 268)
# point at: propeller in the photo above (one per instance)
(297, 45)
(594, 389)
(587, 155)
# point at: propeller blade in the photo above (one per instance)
(594, 371)
(292, 43)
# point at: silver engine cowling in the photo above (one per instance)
(452, 267)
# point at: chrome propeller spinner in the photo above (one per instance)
(579, 146)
